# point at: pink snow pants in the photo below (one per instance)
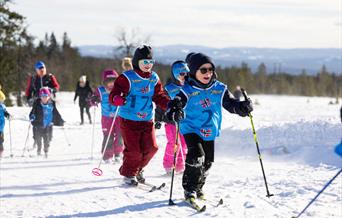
(115, 144)
(170, 130)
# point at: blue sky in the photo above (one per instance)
(216, 23)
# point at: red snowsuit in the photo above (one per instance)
(139, 136)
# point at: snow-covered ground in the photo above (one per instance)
(296, 136)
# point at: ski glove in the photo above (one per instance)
(175, 111)
(119, 100)
(32, 117)
(7, 115)
(93, 100)
(157, 125)
(246, 107)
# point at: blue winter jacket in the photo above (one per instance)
(3, 113)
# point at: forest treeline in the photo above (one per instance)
(18, 53)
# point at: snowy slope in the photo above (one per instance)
(296, 136)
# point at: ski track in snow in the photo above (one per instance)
(296, 136)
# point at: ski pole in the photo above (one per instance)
(66, 137)
(10, 136)
(174, 163)
(27, 137)
(257, 146)
(320, 192)
(97, 171)
(93, 134)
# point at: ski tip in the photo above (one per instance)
(153, 189)
(203, 209)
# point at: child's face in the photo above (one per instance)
(45, 99)
(204, 73)
(181, 77)
(41, 71)
(146, 65)
(110, 85)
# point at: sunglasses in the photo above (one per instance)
(182, 74)
(205, 70)
(147, 61)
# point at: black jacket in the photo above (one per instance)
(37, 113)
(83, 93)
(35, 82)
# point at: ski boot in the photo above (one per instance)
(130, 180)
(46, 150)
(140, 177)
(200, 195)
(168, 172)
(189, 195)
(117, 158)
(107, 161)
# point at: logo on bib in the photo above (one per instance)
(206, 132)
(145, 90)
(142, 115)
(205, 103)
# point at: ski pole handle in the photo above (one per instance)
(244, 93)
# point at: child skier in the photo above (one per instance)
(134, 91)
(179, 70)
(126, 63)
(3, 114)
(83, 91)
(43, 116)
(201, 100)
(115, 145)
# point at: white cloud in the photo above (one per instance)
(220, 23)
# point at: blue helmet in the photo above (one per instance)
(178, 68)
(39, 65)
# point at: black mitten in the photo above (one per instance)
(157, 125)
(246, 107)
(175, 111)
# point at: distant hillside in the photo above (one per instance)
(276, 60)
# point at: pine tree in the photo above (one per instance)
(53, 47)
(13, 37)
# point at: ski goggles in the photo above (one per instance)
(204, 70)
(44, 95)
(147, 61)
(180, 69)
(181, 73)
